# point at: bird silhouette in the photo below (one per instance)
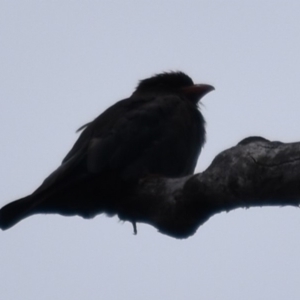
(157, 131)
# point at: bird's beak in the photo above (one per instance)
(197, 91)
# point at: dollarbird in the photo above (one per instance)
(157, 131)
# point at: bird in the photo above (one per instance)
(158, 131)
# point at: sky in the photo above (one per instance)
(64, 62)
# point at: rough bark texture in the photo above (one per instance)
(256, 172)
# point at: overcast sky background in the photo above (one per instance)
(64, 62)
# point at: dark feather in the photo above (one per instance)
(157, 131)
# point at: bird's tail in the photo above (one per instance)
(15, 211)
(84, 197)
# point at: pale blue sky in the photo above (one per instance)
(64, 62)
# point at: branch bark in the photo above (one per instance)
(256, 172)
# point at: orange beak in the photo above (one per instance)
(197, 91)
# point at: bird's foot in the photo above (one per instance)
(134, 228)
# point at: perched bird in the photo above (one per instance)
(157, 131)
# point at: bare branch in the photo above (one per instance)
(256, 172)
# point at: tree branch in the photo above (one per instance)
(256, 172)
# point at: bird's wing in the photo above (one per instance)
(73, 166)
(142, 136)
(133, 132)
(131, 139)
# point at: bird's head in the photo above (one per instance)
(174, 82)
